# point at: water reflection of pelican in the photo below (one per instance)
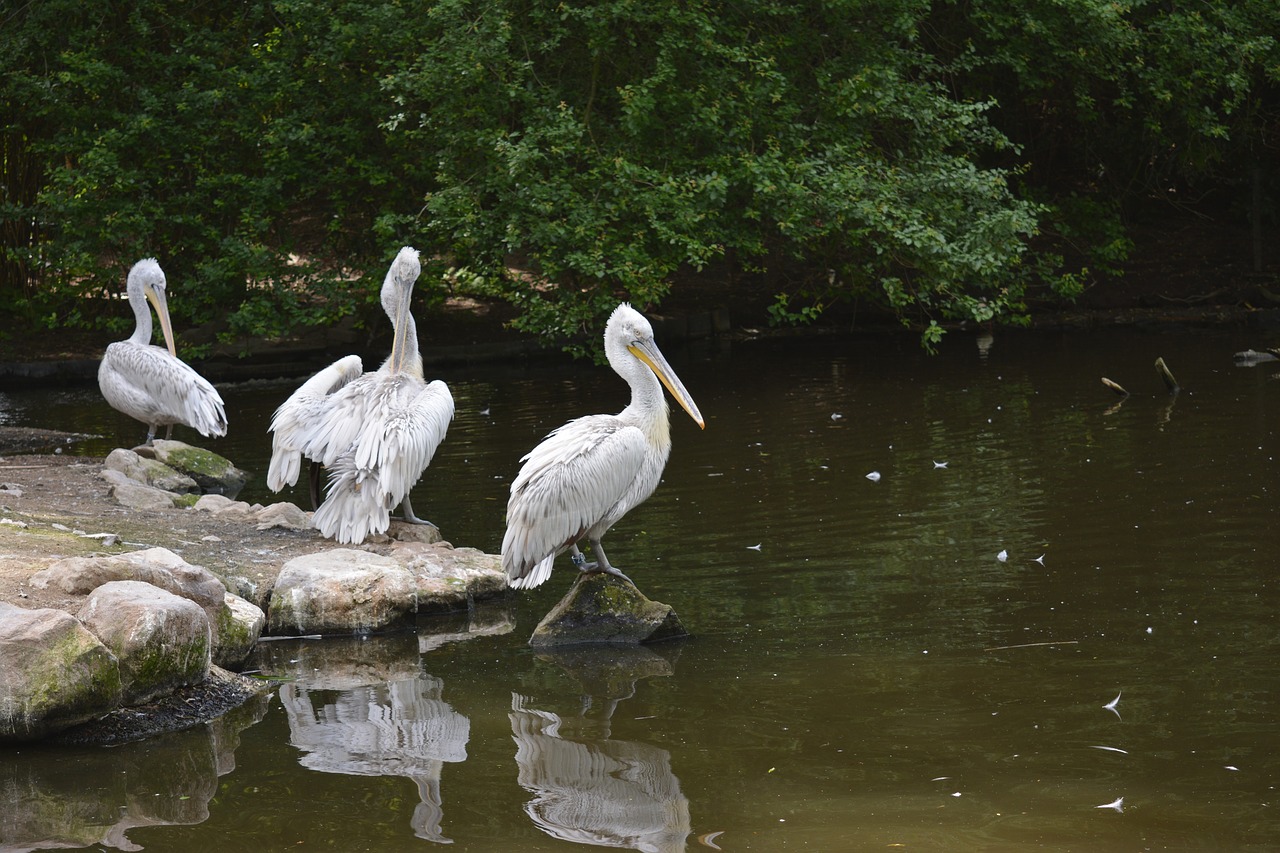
(400, 728)
(610, 793)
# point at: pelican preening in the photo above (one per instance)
(376, 433)
(151, 383)
(589, 473)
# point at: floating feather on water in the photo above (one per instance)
(1116, 804)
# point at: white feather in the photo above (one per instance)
(296, 415)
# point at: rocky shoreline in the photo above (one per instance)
(131, 594)
(74, 530)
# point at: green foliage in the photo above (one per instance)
(591, 151)
(1116, 105)
(938, 160)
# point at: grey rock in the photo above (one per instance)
(601, 608)
(54, 673)
(162, 568)
(149, 472)
(240, 625)
(162, 641)
(341, 591)
(449, 578)
(215, 474)
(284, 515)
(132, 494)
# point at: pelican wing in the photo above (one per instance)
(339, 419)
(566, 485)
(298, 415)
(150, 385)
(398, 445)
(402, 426)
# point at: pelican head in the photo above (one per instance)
(397, 292)
(146, 282)
(628, 342)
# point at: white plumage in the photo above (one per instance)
(377, 433)
(589, 473)
(295, 416)
(151, 383)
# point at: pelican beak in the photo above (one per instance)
(647, 351)
(400, 331)
(161, 304)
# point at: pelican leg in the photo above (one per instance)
(603, 564)
(168, 433)
(579, 559)
(409, 517)
(313, 480)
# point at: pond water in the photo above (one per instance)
(1050, 623)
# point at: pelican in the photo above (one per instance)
(377, 433)
(295, 416)
(151, 383)
(589, 473)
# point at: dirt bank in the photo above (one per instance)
(54, 506)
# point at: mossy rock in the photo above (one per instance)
(213, 473)
(602, 608)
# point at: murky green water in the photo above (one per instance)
(865, 674)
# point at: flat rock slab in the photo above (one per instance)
(601, 608)
(220, 691)
(342, 591)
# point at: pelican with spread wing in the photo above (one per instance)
(377, 433)
(150, 383)
(592, 471)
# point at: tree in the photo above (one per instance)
(588, 152)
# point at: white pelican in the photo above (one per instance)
(295, 416)
(589, 473)
(377, 433)
(151, 383)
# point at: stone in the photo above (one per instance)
(54, 673)
(450, 578)
(157, 566)
(342, 591)
(284, 515)
(215, 474)
(132, 494)
(240, 624)
(602, 608)
(162, 568)
(162, 641)
(149, 472)
(407, 532)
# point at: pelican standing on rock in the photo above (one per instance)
(151, 383)
(589, 473)
(377, 433)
